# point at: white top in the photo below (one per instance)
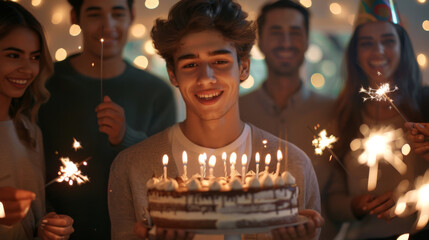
(242, 145)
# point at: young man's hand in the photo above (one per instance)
(111, 120)
(418, 134)
(55, 226)
(16, 204)
(308, 230)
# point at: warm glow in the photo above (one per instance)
(212, 161)
(201, 159)
(425, 25)
(74, 30)
(233, 158)
(406, 149)
(267, 159)
(306, 3)
(335, 8)
(244, 160)
(36, 3)
(151, 4)
(149, 48)
(184, 157)
(60, 54)
(279, 155)
(421, 1)
(317, 80)
(138, 30)
(141, 62)
(224, 156)
(257, 157)
(2, 213)
(404, 236)
(70, 172)
(57, 17)
(165, 159)
(422, 60)
(248, 83)
(379, 94)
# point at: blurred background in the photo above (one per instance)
(330, 29)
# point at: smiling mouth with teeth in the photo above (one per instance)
(209, 96)
(18, 81)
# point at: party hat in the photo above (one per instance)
(377, 10)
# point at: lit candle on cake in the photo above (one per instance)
(204, 164)
(267, 162)
(243, 167)
(185, 164)
(224, 163)
(2, 213)
(201, 161)
(257, 159)
(165, 162)
(212, 163)
(232, 160)
(279, 159)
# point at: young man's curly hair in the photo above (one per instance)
(191, 16)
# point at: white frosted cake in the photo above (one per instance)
(223, 203)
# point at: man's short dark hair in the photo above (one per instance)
(283, 4)
(192, 16)
(77, 5)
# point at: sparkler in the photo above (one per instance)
(377, 145)
(323, 142)
(69, 171)
(101, 61)
(419, 198)
(380, 94)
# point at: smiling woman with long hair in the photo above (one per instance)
(25, 65)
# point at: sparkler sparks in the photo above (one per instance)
(384, 143)
(379, 94)
(418, 199)
(69, 171)
(322, 142)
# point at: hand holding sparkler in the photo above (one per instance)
(418, 134)
(16, 204)
(380, 206)
(111, 120)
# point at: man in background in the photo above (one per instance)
(130, 106)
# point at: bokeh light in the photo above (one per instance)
(306, 3)
(422, 60)
(256, 53)
(314, 53)
(141, 62)
(317, 80)
(151, 4)
(248, 83)
(74, 30)
(36, 3)
(149, 48)
(57, 17)
(60, 54)
(138, 30)
(425, 25)
(335, 8)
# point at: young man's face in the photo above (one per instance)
(109, 19)
(207, 73)
(284, 41)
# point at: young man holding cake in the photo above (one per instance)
(206, 45)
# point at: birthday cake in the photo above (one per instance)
(223, 203)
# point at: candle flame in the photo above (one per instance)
(267, 159)
(2, 213)
(224, 156)
(165, 159)
(279, 155)
(379, 94)
(244, 160)
(102, 40)
(76, 144)
(70, 172)
(404, 236)
(184, 157)
(233, 158)
(257, 157)
(322, 142)
(201, 159)
(212, 161)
